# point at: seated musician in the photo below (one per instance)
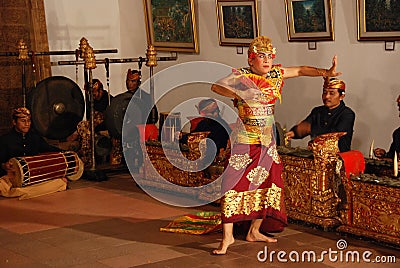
(132, 85)
(22, 140)
(211, 122)
(395, 146)
(333, 116)
(101, 100)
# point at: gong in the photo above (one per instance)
(57, 106)
(122, 104)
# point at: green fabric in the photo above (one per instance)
(198, 223)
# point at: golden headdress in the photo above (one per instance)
(133, 74)
(21, 112)
(261, 44)
(333, 82)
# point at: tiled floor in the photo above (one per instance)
(114, 224)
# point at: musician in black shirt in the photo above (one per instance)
(333, 116)
(22, 140)
(394, 146)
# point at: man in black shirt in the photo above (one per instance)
(212, 122)
(333, 116)
(21, 140)
(133, 81)
(101, 100)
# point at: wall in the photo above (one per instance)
(20, 20)
(370, 72)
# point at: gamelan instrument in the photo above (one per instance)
(116, 113)
(34, 169)
(57, 106)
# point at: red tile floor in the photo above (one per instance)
(115, 224)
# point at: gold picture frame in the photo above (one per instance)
(237, 22)
(171, 25)
(385, 27)
(310, 20)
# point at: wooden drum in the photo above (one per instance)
(34, 169)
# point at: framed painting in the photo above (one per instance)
(309, 20)
(378, 20)
(171, 25)
(237, 22)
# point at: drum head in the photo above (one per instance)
(16, 180)
(79, 173)
(115, 113)
(57, 106)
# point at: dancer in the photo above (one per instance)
(252, 184)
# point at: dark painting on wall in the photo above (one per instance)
(237, 22)
(378, 20)
(382, 16)
(309, 16)
(309, 20)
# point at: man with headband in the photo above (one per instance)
(101, 100)
(333, 116)
(21, 140)
(211, 121)
(100, 96)
(132, 85)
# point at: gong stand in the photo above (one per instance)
(23, 55)
(150, 60)
(107, 66)
(90, 63)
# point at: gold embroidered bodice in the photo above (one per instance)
(257, 115)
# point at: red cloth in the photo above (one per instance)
(273, 219)
(148, 132)
(354, 162)
(194, 121)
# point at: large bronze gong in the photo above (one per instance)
(115, 113)
(57, 106)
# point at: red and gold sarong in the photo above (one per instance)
(259, 191)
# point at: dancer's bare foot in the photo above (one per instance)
(259, 237)
(223, 246)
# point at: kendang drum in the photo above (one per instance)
(34, 169)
